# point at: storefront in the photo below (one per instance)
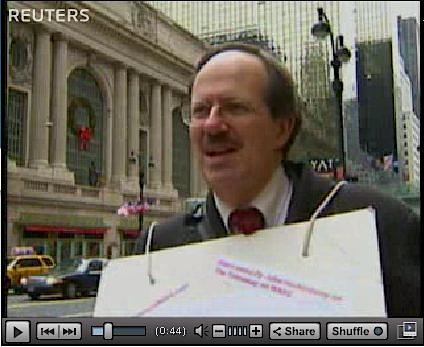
(63, 237)
(128, 241)
(128, 229)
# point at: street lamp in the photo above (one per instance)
(141, 184)
(133, 160)
(341, 55)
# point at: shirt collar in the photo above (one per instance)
(269, 201)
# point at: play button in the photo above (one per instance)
(18, 331)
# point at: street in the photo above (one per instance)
(49, 306)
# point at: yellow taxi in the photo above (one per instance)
(22, 266)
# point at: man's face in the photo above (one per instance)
(232, 132)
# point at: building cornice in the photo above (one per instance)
(116, 41)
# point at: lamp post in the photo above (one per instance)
(141, 184)
(340, 54)
(133, 160)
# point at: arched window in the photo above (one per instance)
(84, 142)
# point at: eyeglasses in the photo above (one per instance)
(200, 112)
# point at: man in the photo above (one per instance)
(93, 176)
(244, 118)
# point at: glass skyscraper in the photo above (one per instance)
(286, 27)
(409, 42)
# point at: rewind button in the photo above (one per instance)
(47, 331)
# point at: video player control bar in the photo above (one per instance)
(212, 330)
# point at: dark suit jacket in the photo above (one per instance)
(397, 226)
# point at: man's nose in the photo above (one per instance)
(215, 123)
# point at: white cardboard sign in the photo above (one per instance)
(263, 274)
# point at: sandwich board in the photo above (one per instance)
(263, 274)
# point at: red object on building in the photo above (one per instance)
(133, 234)
(84, 136)
(131, 208)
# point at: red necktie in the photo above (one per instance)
(246, 221)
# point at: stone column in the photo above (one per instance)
(133, 124)
(167, 139)
(119, 124)
(59, 102)
(40, 101)
(156, 137)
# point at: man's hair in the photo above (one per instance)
(280, 95)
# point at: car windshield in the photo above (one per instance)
(70, 265)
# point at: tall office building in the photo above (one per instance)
(407, 126)
(411, 148)
(366, 28)
(409, 42)
(377, 134)
(372, 21)
(286, 25)
(374, 74)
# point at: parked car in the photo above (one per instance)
(21, 266)
(72, 278)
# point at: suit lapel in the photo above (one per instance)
(308, 192)
(212, 223)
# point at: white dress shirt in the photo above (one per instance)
(273, 201)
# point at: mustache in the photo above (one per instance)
(221, 140)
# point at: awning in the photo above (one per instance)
(71, 221)
(130, 233)
(60, 229)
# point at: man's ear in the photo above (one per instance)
(284, 129)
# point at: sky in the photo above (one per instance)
(405, 8)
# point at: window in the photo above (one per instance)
(33, 235)
(93, 249)
(78, 247)
(18, 53)
(85, 111)
(95, 265)
(16, 116)
(47, 261)
(29, 262)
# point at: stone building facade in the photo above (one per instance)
(91, 106)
